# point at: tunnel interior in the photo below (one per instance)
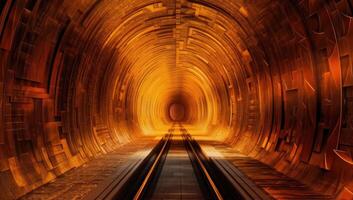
(272, 79)
(178, 112)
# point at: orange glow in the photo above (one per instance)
(268, 79)
(165, 62)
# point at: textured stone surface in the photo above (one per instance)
(78, 182)
(275, 183)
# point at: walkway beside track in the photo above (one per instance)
(177, 179)
(276, 184)
(78, 182)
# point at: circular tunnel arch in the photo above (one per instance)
(272, 79)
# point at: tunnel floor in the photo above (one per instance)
(274, 183)
(89, 89)
(177, 180)
(77, 183)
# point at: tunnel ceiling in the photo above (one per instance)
(273, 79)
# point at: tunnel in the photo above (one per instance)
(261, 90)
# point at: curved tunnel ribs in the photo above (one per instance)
(88, 86)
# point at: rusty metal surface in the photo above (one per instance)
(273, 79)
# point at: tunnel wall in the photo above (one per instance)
(47, 124)
(287, 67)
(309, 61)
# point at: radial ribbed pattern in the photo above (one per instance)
(272, 79)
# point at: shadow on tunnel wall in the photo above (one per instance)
(272, 78)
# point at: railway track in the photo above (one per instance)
(177, 168)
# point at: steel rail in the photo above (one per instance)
(140, 192)
(200, 164)
(218, 179)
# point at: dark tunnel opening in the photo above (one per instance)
(178, 112)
